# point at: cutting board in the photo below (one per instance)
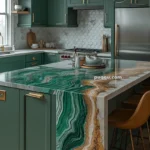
(31, 38)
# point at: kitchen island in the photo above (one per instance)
(72, 110)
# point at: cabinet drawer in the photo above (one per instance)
(33, 63)
(33, 57)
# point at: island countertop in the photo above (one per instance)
(62, 76)
(95, 86)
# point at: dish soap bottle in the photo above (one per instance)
(77, 61)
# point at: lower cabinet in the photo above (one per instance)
(34, 121)
(12, 63)
(24, 120)
(9, 119)
(51, 57)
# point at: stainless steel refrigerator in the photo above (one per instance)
(132, 33)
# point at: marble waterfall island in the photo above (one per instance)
(80, 111)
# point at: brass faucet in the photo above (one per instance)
(2, 46)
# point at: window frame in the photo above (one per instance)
(7, 14)
(6, 22)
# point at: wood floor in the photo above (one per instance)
(139, 146)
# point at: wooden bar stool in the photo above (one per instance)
(129, 119)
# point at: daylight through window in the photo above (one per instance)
(4, 21)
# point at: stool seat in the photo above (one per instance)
(119, 116)
(132, 101)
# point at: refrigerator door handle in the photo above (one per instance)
(116, 39)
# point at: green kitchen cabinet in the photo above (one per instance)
(85, 3)
(60, 15)
(131, 3)
(95, 2)
(35, 123)
(9, 119)
(38, 13)
(33, 60)
(12, 63)
(109, 10)
(51, 58)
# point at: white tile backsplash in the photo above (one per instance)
(87, 35)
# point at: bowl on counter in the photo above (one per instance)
(34, 46)
(93, 61)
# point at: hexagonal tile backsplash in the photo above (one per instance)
(87, 35)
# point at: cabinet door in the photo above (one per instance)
(109, 12)
(12, 63)
(50, 58)
(95, 2)
(9, 119)
(39, 12)
(142, 2)
(124, 3)
(35, 122)
(61, 15)
(76, 2)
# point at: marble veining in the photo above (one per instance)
(81, 101)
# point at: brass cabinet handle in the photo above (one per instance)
(36, 95)
(34, 64)
(33, 17)
(87, 1)
(33, 58)
(2, 95)
(83, 1)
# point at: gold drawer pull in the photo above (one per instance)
(2, 95)
(36, 95)
(33, 58)
(33, 64)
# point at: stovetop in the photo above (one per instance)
(83, 50)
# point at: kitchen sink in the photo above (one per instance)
(4, 53)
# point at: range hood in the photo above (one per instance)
(87, 7)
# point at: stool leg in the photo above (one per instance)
(148, 131)
(131, 137)
(141, 133)
(126, 140)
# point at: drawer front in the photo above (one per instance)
(33, 57)
(33, 63)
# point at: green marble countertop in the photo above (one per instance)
(61, 76)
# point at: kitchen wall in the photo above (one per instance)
(87, 35)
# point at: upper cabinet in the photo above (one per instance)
(109, 13)
(38, 13)
(60, 15)
(85, 3)
(131, 3)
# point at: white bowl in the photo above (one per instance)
(18, 7)
(93, 60)
(34, 46)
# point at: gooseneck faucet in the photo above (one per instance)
(2, 46)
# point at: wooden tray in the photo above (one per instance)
(93, 67)
(43, 48)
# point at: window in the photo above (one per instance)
(4, 21)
